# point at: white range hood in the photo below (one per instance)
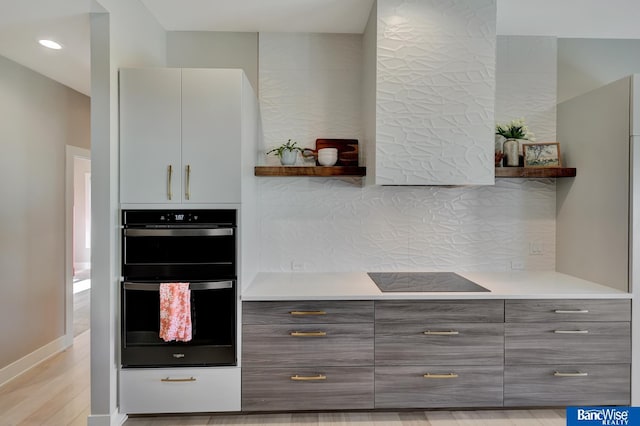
(434, 89)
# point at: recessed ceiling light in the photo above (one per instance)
(50, 44)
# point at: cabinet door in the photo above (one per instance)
(211, 135)
(150, 114)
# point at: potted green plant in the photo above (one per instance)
(513, 131)
(287, 152)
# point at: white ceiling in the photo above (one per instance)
(23, 22)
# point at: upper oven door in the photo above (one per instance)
(179, 253)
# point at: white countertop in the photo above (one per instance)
(273, 286)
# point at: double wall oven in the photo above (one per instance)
(170, 246)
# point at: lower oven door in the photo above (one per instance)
(213, 318)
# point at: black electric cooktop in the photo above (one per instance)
(422, 282)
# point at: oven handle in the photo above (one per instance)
(217, 232)
(210, 285)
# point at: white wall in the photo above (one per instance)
(213, 49)
(586, 64)
(123, 34)
(38, 118)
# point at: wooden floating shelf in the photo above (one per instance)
(322, 171)
(535, 172)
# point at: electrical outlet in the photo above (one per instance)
(536, 249)
(517, 265)
(297, 266)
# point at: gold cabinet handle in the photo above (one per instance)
(441, 333)
(298, 378)
(187, 192)
(440, 376)
(571, 311)
(574, 374)
(308, 333)
(169, 176)
(184, 379)
(302, 313)
(571, 331)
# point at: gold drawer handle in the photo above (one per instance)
(576, 374)
(571, 331)
(308, 333)
(440, 376)
(298, 378)
(441, 333)
(571, 311)
(168, 379)
(300, 313)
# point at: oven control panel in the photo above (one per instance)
(177, 217)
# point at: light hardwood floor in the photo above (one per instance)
(57, 393)
(417, 418)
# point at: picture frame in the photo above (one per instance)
(545, 154)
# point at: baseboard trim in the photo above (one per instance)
(29, 361)
(115, 419)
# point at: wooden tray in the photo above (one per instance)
(347, 150)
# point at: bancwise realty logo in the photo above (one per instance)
(603, 416)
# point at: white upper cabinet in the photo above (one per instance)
(434, 91)
(211, 134)
(150, 141)
(181, 133)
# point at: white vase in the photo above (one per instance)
(511, 150)
(288, 158)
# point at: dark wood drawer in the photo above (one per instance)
(416, 311)
(568, 342)
(562, 385)
(443, 344)
(573, 310)
(456, 386)
(307, 345)
(307, 312)
(318, 388)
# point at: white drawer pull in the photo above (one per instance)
(571, 311)
(440, 376)
(298, 378)
(308, 333)
(302, 313)
(184, 379)
(571, 331)
(576, 374)
(441, 333)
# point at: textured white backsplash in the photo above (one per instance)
(321, 224)
(330, 224)
(309, 88)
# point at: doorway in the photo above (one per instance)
(78, 242)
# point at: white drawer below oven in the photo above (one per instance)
(179, 390)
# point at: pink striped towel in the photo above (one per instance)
(175, 312)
